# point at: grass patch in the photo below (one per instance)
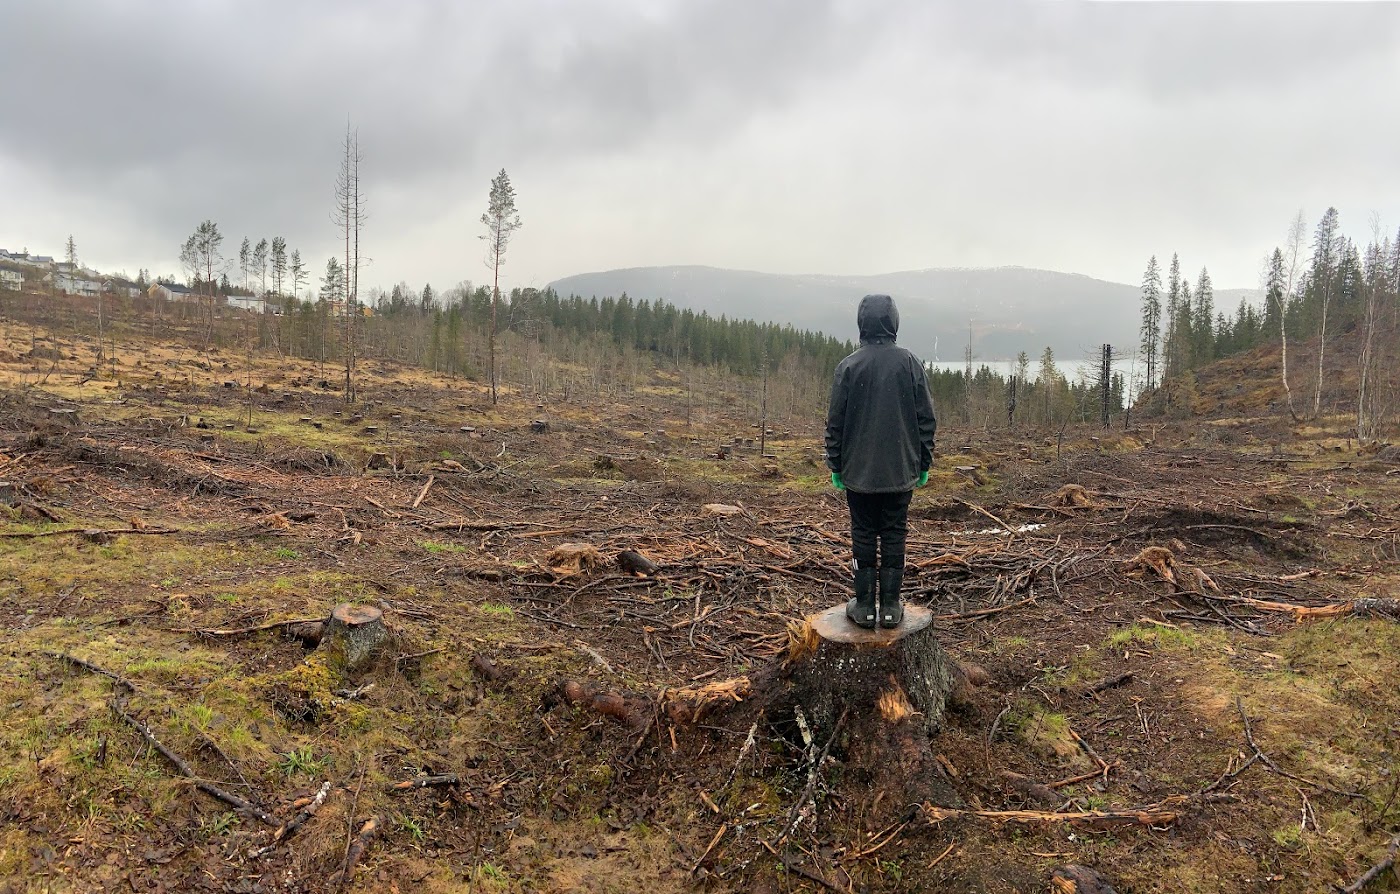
(1172, 637)
(302, 762)
(441, 548)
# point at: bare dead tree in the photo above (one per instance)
(1281, 280)
(350, 216)
(1374, 282)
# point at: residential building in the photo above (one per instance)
(71, 284)
(245, 302)
(171, 292)
(11, 279)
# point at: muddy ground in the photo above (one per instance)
(1107, 686)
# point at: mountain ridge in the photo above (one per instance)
(1007, 309)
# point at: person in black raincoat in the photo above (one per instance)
(879, 445)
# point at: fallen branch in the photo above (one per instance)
(816, 773)
(185, 769)
(1269, 762)
(309, 806)
(97, 535)
(1375, 872)
(117, 679)
(797, 869)
(357, 849)
(424, 782)
(975, 508)
(424, 492)
(1364, 607)
(1159, 814)
(714, 842)
(243, 631)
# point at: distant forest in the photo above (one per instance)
(1340, 299)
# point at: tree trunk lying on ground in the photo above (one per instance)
(891, 686)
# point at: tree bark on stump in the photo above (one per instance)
(354, 636)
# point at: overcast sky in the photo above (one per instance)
(790, 136)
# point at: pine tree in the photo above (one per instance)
(1151, 319)
(501, 221)
(332, 282)
(71, 253)
(245, 257)
(1048, 380)
(298, 273)
(279, 263)
(260, 264)
(1185, 331)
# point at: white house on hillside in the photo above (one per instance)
(171, 292)
(74, 285)
(246, 302)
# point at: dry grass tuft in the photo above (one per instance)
(573, 558)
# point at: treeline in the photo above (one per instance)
(656, 327)
(1041, 396)
(1315, 291)
(556, 344)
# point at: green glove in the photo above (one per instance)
(836, 481)
(923, 478)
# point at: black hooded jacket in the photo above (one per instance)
(880, 427)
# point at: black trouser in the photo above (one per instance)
(882, 519)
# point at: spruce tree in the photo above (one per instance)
(1151, 319)
(1203, 321)
(1171, 343)
(1322, 283)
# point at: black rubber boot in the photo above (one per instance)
(891, 611)
(861, 609)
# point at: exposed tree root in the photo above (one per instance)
(244, 631)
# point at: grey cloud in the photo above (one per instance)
(797, 135)
(1169, 50)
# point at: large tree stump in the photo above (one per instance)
(891, 685)
(354, 636)
(893, 674)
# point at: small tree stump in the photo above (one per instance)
(354, 635)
